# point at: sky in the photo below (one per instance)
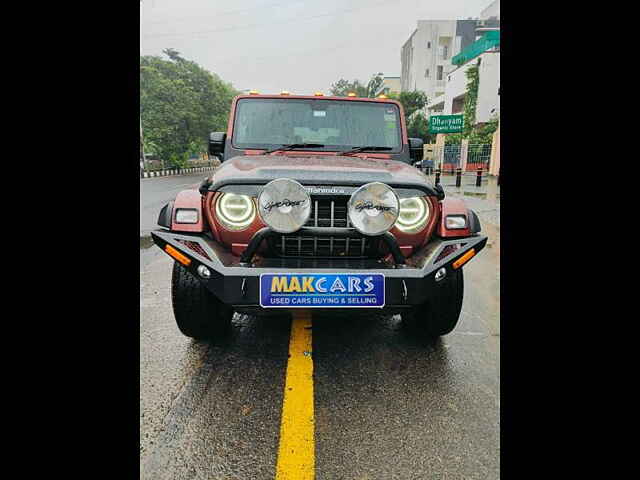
(302, 46)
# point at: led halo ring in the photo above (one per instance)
(235, 212)
(373, 208)
(414, 213)
(284, 205)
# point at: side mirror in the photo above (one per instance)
(416, 148)
(216, 143)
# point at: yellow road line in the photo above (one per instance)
(296, 453)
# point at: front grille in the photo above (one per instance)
(327, 213)
(356, 246)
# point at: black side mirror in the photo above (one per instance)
(216, 143)
(416, 148)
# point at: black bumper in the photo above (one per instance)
(237, 283)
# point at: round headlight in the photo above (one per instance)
(414, 213)
(373, 208)
(284, 205)
(235, 212)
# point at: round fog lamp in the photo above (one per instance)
(373, 208)
(204, 272)
(284, 205)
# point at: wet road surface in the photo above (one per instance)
(387, 405)
(156, 192)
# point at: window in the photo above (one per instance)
(439, 77)
(426, 73)
(444, 52)
(268, 123)
(428, 44)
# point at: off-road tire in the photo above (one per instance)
(439, 315)
(199, 314)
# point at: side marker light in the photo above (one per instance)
(464, 258)
(184, 260)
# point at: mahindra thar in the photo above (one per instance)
(316, 205)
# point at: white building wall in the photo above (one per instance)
(488, 98)
(427, 48)
(489, 82)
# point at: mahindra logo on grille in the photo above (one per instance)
(284, 203)
(325, 190)
(370, 206)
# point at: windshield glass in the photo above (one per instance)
(266, 123)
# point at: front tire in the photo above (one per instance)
(199, 314)
(440, 314)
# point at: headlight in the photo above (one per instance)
(284, 205)
(414, 213)
(235, 212)
(454, 222)
(186, 215)
(373, 208)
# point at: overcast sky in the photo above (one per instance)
(298, 45)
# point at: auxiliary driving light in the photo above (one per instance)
(204, 272)
(284, 205)
(440, 274)
(373, 208)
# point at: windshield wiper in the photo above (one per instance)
(293, 146)
(362, 149)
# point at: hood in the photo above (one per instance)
(318, 170)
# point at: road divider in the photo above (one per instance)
(296, 451)
(175, 171)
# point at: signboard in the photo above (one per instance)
(445, 124)
(321, 290)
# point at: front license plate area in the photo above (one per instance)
(322, 290)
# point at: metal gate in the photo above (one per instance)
(450, 157)
(478, 155)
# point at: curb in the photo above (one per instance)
(166, 173)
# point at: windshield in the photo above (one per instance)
(267, 123)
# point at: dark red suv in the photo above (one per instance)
(316, 205)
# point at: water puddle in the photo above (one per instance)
(146, 242)
(475, 194)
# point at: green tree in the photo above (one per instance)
(342, 87)
(180, 103)
(411, 101)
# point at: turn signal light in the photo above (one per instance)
(253, 92)
(319, 94)
(464, 258)
(382, 95)
(351, 94)
(186, 261)
(284, 92)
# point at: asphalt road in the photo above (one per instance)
(387, 406)
(156, 192)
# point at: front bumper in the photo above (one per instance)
(237, 283)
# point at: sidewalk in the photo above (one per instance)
(484, 200)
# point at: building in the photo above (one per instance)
(485, 53)
(389, 85)
(427, 55)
